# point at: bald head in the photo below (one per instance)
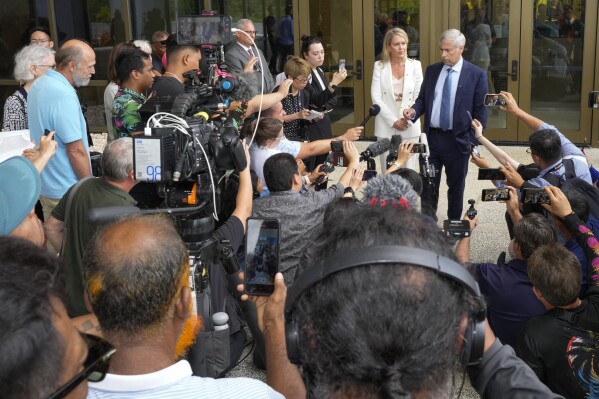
(76, 60)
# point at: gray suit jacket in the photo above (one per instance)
(236, 57)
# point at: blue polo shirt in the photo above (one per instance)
(53, 104)
(510, 299)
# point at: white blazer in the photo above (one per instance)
(382, 94)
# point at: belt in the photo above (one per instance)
(441, 131)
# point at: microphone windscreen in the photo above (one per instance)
(396, 140)
(374, 110)
(379, 147)
(249, 86)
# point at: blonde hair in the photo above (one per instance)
(385, 58)
(296, 66)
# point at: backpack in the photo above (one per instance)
(576, 184)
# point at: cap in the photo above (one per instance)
(20, 187)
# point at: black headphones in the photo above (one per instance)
(474, 337)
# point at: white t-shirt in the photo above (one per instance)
(177, 382)
(259, 155)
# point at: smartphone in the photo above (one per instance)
(470, 116)
(341, 64)
(494, 100)
(339, 159)
(419, 148)
(593, 99)
(535, 196)
(47, 132)
(327, 167)
(368, 174)
(490, 174)
(261, 256)
(337, 146)
(495, 194)
(456, 228)
(474, 150)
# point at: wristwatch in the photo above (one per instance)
(334, 87)
(349, 190)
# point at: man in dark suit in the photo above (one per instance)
(447, 122)
(242, 56)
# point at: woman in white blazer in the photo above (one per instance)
(395, 86)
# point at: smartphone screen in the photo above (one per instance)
(261, 256)
(536, 196)
(490, 174)
(368, 174)
(339, 159)
(341, 64)
(419, 148)
(494, 100)
(495, 194)
(475, 151)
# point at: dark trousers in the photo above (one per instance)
(445, 152)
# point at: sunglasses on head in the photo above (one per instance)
(99, 352)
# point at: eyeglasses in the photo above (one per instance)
(302, 81)
(39, 41)
(250, 32)
(529, 151)
(95, 367)
(53, 67)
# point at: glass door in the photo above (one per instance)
(339, 26)
(541, 51)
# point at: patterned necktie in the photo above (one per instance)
(250, 52)
(445, 116)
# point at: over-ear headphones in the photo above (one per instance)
(474, 336)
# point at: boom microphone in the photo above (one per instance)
(377, 148)
(396, 140)
(372, 111)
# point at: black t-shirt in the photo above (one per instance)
(563, 354)
(168, 86)
(231, 230)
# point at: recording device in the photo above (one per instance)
(456, 228)
(396, 140)
(204, 29)
(341, 64)
(474, 150)
(368, 174)
(490, 174)
(375, 149)
(337, 146)
(372, 111)
(470, 116)
(471, 212)
(47, 132)
(495, 194)
(419, 148)
(494, 100)
(339, 159)
(262, 256)
(594, 99)
(327, 167)
(535, 196)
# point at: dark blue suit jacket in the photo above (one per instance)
(470, 96)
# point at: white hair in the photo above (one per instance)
(453, 35)
(143, 45)
(28, 56)
(242, 22)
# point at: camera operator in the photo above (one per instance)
(353, 314)
(180, 59)
(507, 286)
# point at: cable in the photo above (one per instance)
(261, 85)
(211, 180)
(253, 343)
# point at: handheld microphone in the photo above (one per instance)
(424, 141)
(372, 111)
(377, 148)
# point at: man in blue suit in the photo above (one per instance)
(450, 89)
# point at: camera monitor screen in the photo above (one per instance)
(200, 30)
